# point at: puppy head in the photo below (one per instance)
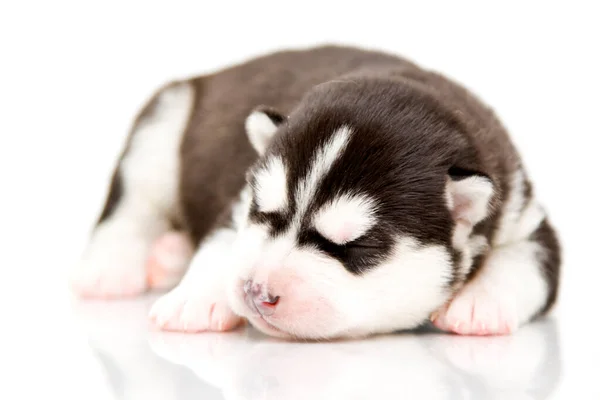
(359, 213)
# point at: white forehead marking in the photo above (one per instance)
(345, 218)
(271, 186)
(320, 165)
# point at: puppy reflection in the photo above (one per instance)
(248, 366)
(117, 333)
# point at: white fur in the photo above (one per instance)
(260, 129)
(507, 291)
(511, 210)
(402, 289)
(518, 220)
(345, 218)
(468, 201)
(472, 247)
(241, 209)
(321, 162)
(256, 255)
(199, 302)
(510, 287)
(271, 186)
(514, 272)
(325, 300)
(275, 252)
(113, 263)
(319, 297)
(531, 218)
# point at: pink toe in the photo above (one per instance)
(457, 327)
(437, 322)
(481, 328)
(170, 325)
(509, 328)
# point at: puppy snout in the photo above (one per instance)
(259, 298)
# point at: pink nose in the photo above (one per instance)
(259, 299)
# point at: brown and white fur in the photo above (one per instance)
(329, 192)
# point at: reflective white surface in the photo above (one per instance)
(75, 73)
(142, 363)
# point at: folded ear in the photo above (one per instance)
(468, 198)
(261, 125)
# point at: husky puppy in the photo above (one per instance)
(323, 193)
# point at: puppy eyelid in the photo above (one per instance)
(363, 242)
(275, 221)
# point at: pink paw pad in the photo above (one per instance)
(476, 313)
(168, 259)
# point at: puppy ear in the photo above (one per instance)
(468, 197)
(261, 125)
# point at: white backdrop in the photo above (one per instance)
(73, 74)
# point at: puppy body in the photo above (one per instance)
(323, 193)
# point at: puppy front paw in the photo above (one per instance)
(476, 310)
(184, 310)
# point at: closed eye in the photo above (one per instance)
(364, 242)
(277, 221)
(357, 256)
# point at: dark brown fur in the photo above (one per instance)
(434, 127)
(224, 100)
(551, 261)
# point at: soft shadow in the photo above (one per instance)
(424, 365)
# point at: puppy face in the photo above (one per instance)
(352, 224)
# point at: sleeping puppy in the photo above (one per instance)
(323, 193)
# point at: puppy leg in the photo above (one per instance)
(199, 302)
(517, 282)
(142, 201)
(168, 260)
